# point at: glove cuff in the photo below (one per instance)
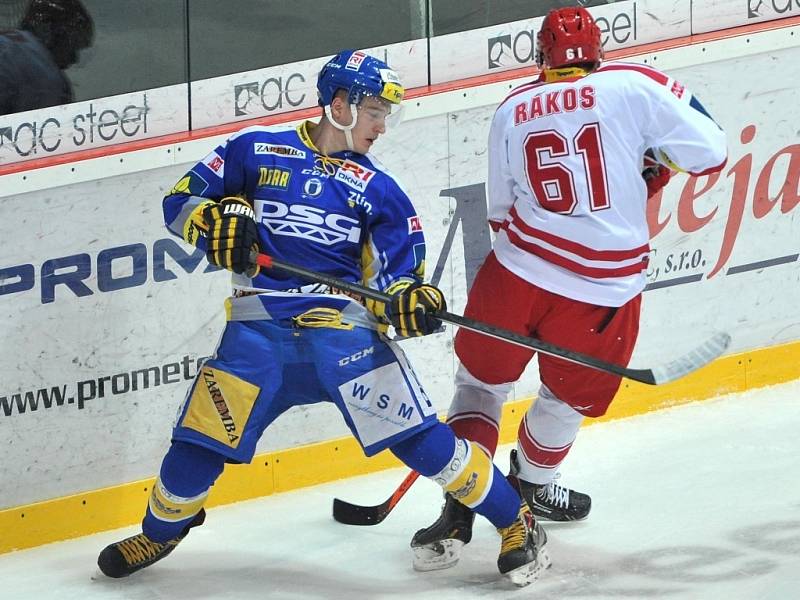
(196, 226)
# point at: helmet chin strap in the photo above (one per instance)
(347, 129)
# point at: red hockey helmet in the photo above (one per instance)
(568, 36)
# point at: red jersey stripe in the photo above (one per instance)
(574, 247)
(570, 265)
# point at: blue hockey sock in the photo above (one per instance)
(501, 505)
(187, 472)
(428, 451)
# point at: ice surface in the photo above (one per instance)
(700, 501)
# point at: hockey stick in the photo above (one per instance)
(675, 369)
(356, 514)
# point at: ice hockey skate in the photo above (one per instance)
(523, 556)
(132, 554)
(439, 545)
(551, 501)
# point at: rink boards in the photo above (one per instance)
(105, 317)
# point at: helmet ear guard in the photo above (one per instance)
(568, 36)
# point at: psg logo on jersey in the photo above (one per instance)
(312, 188)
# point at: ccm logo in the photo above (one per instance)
(357, 356)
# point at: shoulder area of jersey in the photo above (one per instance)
(281, 141)
(637, 72)
(264, 131)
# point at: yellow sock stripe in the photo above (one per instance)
(469, 474)
(169, 507)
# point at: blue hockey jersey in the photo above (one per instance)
(343, 215)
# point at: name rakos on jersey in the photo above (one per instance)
(552, 103)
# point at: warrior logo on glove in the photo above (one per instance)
(232, 235)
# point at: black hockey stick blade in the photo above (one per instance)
(356, 514)
(699, 357)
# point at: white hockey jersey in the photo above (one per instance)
(566, 194)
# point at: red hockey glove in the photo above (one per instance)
(655, 175)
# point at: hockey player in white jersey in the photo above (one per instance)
(573, 158)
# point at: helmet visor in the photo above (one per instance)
(376, 109)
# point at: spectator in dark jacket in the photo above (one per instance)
(34, 56)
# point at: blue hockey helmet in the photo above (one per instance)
(359, 75)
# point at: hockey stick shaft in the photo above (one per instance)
(700, 356)
(356, 514)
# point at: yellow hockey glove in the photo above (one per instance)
(413, 310)
(232, 235)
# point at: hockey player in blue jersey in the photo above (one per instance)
(313, 196)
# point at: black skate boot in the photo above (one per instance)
(551, 501)
(120, 559)
(438, 546)
(523, 556)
